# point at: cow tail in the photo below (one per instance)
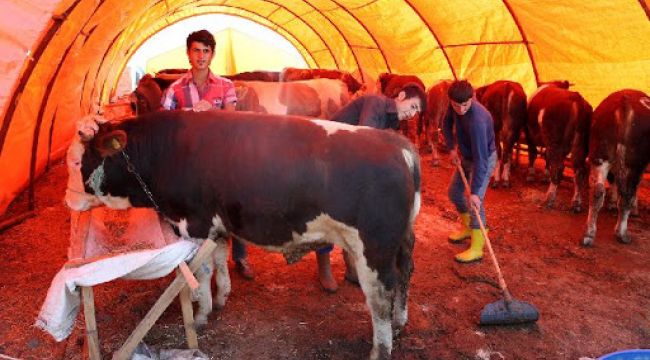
(405, 250)
(585, 125)
(628, 115)
(417, 180)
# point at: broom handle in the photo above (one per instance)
(502, 282)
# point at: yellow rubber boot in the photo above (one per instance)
(464, 232)
(475, 251)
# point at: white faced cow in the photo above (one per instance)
(281, 182)
(618, 144)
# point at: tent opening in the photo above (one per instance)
(242, 45)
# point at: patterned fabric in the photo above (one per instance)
(183, 93)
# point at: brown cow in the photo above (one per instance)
(146, 96)
(506, 101)
(293, 74)
(559, 120)
(319, 98)
(272, 76)
(437, 106)
(618, 144)
(391, 84)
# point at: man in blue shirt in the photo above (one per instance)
(474, 139)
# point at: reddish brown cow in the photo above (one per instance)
(293, 74)
(559, 120)
(391, 84)
(272, 76)
(506, 101)
(437, 106)
(618, 144)
(146, 96)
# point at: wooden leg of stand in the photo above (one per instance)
(125, 352)
(91, 325)
(188, 317)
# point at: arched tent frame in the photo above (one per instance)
(66, 55)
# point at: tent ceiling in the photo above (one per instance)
(62, 58)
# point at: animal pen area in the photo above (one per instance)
(592, 292)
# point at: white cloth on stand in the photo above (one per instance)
(148, 261)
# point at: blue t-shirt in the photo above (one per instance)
(475, 137)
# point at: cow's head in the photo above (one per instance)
(86, 160)
(146, 97)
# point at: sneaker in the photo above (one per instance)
(244, 269)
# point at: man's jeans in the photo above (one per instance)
(457, 190)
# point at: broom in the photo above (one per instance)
(508, 310)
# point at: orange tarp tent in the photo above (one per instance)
(63, 58)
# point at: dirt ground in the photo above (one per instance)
(592, 301)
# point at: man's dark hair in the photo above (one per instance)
(202, 36)
(460, 91)
(413, 90)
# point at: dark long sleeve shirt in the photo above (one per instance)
(475, 137)
(376, 111)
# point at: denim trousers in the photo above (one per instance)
(457, 190)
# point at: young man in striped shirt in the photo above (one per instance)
(200, 90)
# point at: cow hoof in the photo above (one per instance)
(588, 241)
(576, 208)
(530, 178)
(624, 239)
(379, 353)
(549, 204)
(200, 321)
(435, 162)
(397, 330)
(494, 185)
(219, 304)
(506, 184)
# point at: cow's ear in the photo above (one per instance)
(111, 143)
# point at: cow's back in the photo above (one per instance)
(554, 109)
(320, 98)
(504, 98)
(268, 174)
(623, 118)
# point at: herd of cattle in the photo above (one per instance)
(292, 184)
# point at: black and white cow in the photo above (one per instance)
(559, 120)
(619, 145)
(281, 182)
